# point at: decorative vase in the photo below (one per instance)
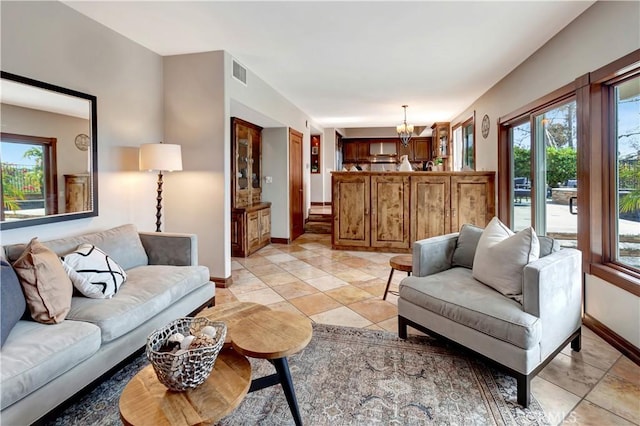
(405, 166)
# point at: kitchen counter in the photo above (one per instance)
(388, 211)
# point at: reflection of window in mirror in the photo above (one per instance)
(29, 187)
(56, 128)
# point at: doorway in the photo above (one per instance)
(296, 189)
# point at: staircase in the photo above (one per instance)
(318, 224)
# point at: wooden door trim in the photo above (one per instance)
(292, 165)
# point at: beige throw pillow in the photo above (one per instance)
(501, 256)
(46, 285)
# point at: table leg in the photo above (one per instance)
(282, 367)
(386, 290)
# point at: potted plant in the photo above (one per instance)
(438, 164)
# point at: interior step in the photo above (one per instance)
(318, 224)
(315, 217)
(317, 227)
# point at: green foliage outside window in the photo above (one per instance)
(561, 164)
(11, 192)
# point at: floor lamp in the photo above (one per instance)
(161, 157)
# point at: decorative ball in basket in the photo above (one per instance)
(183, 352)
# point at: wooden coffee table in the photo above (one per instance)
(146, 401)
(259, 332)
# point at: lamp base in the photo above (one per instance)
(159, 203)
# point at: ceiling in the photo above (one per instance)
(27, 96)
(353, 64)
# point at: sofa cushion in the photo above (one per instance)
(548, 245)
(46, 285)
(149, 290)
(12, 303)
(93, 272)
(34, 354)
(501, 256)
(466, 246)
(456, 295)
(122, 244)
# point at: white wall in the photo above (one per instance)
(371, 132)
(275, 163)
(199, 95)
(603, 33)
(262, 98)
(51, 42)
(197, 199)
(614, 307)
(329, 150)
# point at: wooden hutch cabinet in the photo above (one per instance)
(250, 216)
(441, 144)
(77, 189)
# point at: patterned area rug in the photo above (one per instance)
(352, 376)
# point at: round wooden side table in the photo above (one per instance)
(403, 263)
(146, 401)
(257, 331)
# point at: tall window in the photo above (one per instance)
(464, 148)
(626, 138)
(468, 146)
(520, 140)
(543, 184)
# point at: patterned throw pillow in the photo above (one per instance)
(93, 272)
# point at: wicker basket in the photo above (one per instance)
(191, 368)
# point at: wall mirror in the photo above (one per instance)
(48, 153)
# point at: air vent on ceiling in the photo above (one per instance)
(239, 73)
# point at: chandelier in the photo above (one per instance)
(405, 131)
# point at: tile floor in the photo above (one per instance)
(597, 386)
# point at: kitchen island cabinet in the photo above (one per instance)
(388, 211)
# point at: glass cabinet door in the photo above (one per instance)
(255, 159)
(242, 158)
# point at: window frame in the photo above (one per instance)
(524, 114)
(49, 161)
(471, 121)
(599, 100)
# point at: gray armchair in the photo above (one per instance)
(443, 299)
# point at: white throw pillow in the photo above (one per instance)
(501, 256)
(93, 272)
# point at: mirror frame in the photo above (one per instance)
(61, 217)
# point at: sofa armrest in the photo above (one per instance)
(170, 248)
(552, 291)
(433, 255)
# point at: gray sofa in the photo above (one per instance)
(444, 300)
(43, 365)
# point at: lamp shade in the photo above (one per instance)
(160, 156)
